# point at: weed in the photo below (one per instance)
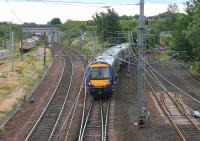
(2, 130)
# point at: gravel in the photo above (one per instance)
(20, 124)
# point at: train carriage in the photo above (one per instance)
(3, 54)
(101, 74)
(28, 44)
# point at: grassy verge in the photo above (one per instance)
(194, 66)
(164, 56)
(14, 85)
(87, 46)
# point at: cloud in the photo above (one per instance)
(41, 13)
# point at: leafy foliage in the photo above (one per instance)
(108, 24)
(4, 32)
(173, 8)
(187, 35)
(55, 21)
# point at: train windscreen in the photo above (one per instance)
(99, 73)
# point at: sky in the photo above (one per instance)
(20, 11)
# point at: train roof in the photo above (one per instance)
(110, 54)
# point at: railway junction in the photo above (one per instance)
(69, 113)
(149, 99)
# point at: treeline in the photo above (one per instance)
(184, 29)
(110, 28)
(5, 33)
(186, 36)
(181, 30)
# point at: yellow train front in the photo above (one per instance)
(100, 81)
(102, 73)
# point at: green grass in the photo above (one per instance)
(2, 130)
(2, 114)
(164, 56)
(29, 71)
(85, 49)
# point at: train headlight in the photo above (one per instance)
(90, 84)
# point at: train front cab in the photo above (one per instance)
(100, 80)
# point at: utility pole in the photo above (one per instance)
(21, 42)
(81, 39)
(6, 36)
(94, 44)
(10, 30)
(12, 50)
(102, 34)
(45, 44)
(129, 52)
(118, 38)
(141, 66)
(50, 40)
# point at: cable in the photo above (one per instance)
(81, 3)
(13, 11)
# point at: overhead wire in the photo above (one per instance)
(13, 11)
(89, 4)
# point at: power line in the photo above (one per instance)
(13, 11)
(87, 4)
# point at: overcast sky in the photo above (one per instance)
(20, 11)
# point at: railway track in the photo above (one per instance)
(95, 124)
(186, 127)
(183, 75)
(66, 128)
(44, 126)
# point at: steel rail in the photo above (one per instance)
(76, 100)
(176, 86)
(106, 120)
(66, 98)
(185, 82)
(82, 128)
(183, 111)
(83, 113)
(167, 91)
(151, 68)
(72, 110)
(178, 103)
(170, 82)
(85, 97)
(86, 121)
(165, 112)
(179, 107)
(161, 85)
(39, 119)
(102, 120)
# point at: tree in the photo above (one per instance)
(173, 8)
(55, 21)
(186, 37)
(108, 25)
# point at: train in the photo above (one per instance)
(3, 55)
(28, 44)
(101, 74)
